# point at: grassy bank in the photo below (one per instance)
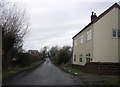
(114, 81)
(73, 71)
(14, 71)
(91, 78)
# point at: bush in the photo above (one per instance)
(25, 59)
(36, 58)
(61, 57)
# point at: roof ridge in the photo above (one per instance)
(115, 5)
(118, 3)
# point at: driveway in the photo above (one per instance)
(46, 74)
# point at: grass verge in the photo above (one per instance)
(14, 71)
(78, 73)
(114, 81)
(73, 71)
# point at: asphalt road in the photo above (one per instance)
(46, 74)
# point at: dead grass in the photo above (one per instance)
(83, 75)
(17, 70)
(73, 71)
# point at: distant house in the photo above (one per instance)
(99, 41)
(33, 52)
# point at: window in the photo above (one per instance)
(74, 58)
(75, 42)
(89, 35)
(80, 58)
(116, 33)
(32, 52)
(87, 57)
(81, 39)
(119, 33)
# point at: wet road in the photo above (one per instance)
(46, 74)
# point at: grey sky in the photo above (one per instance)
(55, 22)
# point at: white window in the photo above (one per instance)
(80, 58)
(89, 35)
(119, 33)
(81, 39)
(74, 58)
(88, 57)
(75, 42)
(116, 33)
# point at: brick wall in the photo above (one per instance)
(109, 68)
(100, 68)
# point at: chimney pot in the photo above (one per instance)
(92, 12)
(93, 16)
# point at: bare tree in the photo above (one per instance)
(14, 24)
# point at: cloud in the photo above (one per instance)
(55, 22)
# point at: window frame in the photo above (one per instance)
(114, 33)
(114, 30)
(75, 42)
(117, 33)
(80, 59)
(88, 58)
(74, 58)
(81, 39)
(89, 35)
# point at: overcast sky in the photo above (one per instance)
(55, 22)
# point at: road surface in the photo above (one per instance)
(46, 74)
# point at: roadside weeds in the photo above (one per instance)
(6, 75)
(91, 79)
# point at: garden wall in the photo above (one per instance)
(100, 68)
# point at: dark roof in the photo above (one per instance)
(99, 17)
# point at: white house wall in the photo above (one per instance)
(119, 38)
(85, 47)
(105, 47)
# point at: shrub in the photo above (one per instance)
(61, 57)
(36, 58)
(25, 59)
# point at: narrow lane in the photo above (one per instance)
(46, 74)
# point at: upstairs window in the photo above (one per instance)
(81, 39)
(89, 35)
(116, 33)
(75, 43)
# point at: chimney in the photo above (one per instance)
(93, 16)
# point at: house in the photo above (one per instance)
(33, 52)
(99, 41)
